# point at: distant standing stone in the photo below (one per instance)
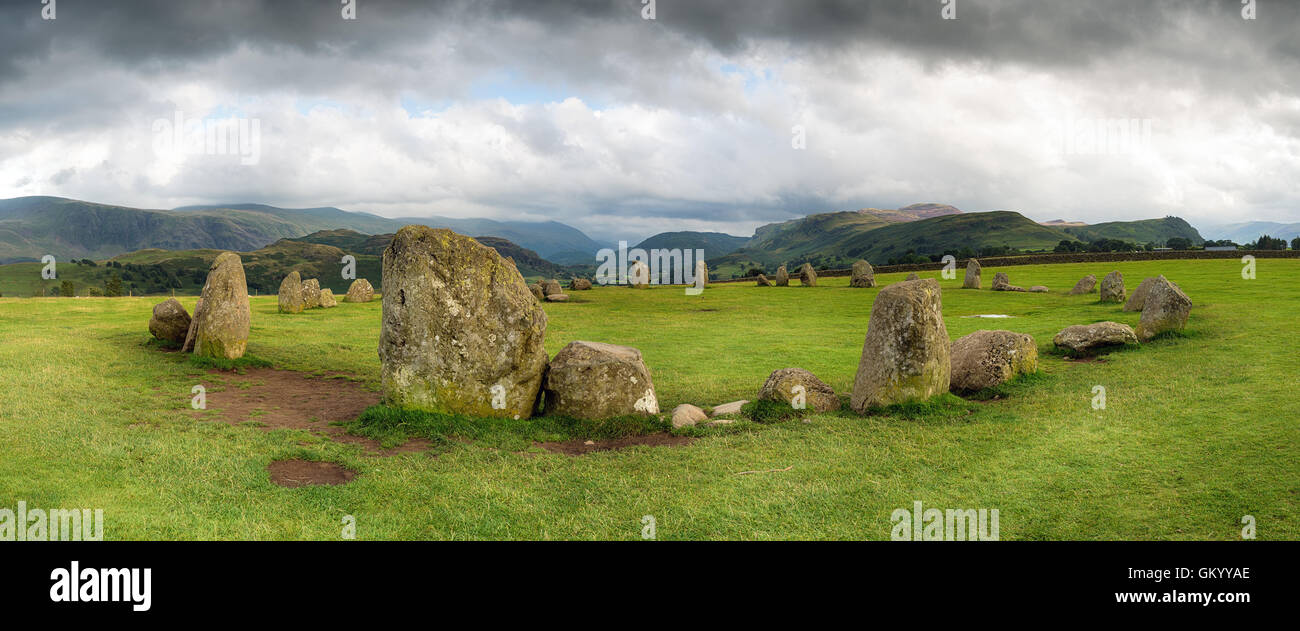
(912, 276)
(972, 275)
(906, 353)
(807, 275)
(1137, 299)
(782, 277)
(551, 286)
(291, 298)
(170, 321)
(1086, 285)
(580, 284)
(360, 291)
(638, 275)
(1165, 309)
(1112, 287)
(863, 275)
(763, 281)
(593, 380)
(224, 317)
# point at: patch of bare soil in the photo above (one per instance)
(285, 399)
(295, 473)
(579, 447)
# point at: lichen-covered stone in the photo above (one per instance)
(906, 353)
(223, 316)
(807, 275)
(327, 299)
(1086, 285)
(593, 380)
(1137, 299)
(360, 291)
(1090, 339)
(1002, 283)
(797, 386)
(461, 333)
(291, 298)
(973, 271)
(782, 277)
(1112, 287)
(1164, 309)
(189, 335)
(985, 359)
(311, 294)
(170, 321)
(580, 284)
(551, 286)
(863, 275)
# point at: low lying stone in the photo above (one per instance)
(728, 408)
(360, 291)
(557, 298)
(170, 321)
(800, 389)
(1086, 285)
(985, 359)
(1039, 289)
(763, 281)
(579, 284)
(687, 414)
(1090, 339)
(913, 276)
(593, 380)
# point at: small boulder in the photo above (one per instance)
(1112, 287)
(906, 352)
(985, 359)
(1090, 339)
(807, 275)
(687, 414)
(537, 291)
(327, 298)
(311, 294)
(913, 276)
(799, 388)
(223, 317)
(291, 297)
(863, 275)
(170, 321)
(360, 291)
(551, 286)
(579, 284)
(728, 408)
(557, 298)
(763, 281)
(1086, 285)
(593, 380)
(1165, 309)
(1002, 283)
(1039, 289)
(973, 270)
(782, 277)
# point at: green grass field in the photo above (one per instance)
(1199, 430)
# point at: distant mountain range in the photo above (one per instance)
(1250, 231)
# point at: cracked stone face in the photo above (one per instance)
(906, 353)
(593, 380)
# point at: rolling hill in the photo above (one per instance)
(529, 263)
(713, 243)
(1141, 232)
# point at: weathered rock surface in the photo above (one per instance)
(807, 275)
(913, 276)
(782, 277)
(1002, 283)
(728, 408)
(1086, 285)
(1164, 309)
(557, 298)
(1039, 289)
(170, 321)
(687, 414)
(1090, 339)
(863, 275)
(799, 388)
(1137, 299)
(985, 359)
(763, 281)
(188, 347)
(638, 275)
(973, 271)
(906, 353)
(291, 297)
(311, 294)
(537, 291)
(327, 298)
(580, 284)
(461, 333)
(551, 286)
(701, 278)
(223, 317)
(360, 291)
(1112, 287)
(593, 380)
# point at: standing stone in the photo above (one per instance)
(460, 334)
(310, 294)
(327, 298)
(912, 276)
(973, 270)
(763, 281)
(1086, 285)
(906, 353)
(1165, 309)
(782, 277)
(360, 291)
(580, 284)
(701, 272)
(638, 275)
(551, 287)
(1112, 287)
(291, 297)
(1137, 299)
(592, 380)
(807, 275)
(188, 347)
(796, 386)
(985, 359)
(537, 291)
(223, 316)
(170, 321)
(863, 275)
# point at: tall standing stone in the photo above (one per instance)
(973, 270)
(310, 293)
(807, 275)
(863, 275)
(360, 291)
(223, 316)
(701, 272)
(1112, 287)
(461, 332)
(1165, 309)
(782, 277)
(291, 298)
(638, 275)
(906, 355)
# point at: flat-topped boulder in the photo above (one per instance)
(593, 380)
(360, 291)
(799, 388)
(461, 333)
(291, 298)
(170, 321)
(973, 270)
(1112, 287)
(557, 298)
(223, 318)
(807, 275)
(1086, 285)
(1091, 339)
(985, 359)
(906, 355)
(863, 275)
(1165, 309)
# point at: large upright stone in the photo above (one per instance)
(1165, 309)
(223, 317)
(291, 298)
(1137, 299)
(310, 294)
(1112, 287)
(638, 275)
(592, 380)
(807, 275)
(170, 321)
(461, 332)
(863, 275)
(1086, 285)
(799, 388)
(985, 359)
(906, 353)
(973, 270)
(360, 291)
(782, 277)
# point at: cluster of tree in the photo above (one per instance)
(1266, 242)
(1221, 243)
(1100, 245)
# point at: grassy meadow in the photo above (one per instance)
(1199, 429)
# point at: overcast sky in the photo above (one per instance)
(715, 115)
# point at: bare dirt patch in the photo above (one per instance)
(285, 399)
(579, 447)
(295, 473)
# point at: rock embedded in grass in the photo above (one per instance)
(223, 316)
(1002, 283)
(311, 294)
(1086, 285)
(170, 321)
(782, 277)
(291, 298)
(728, 408)
(1112, 287)
(763, 281)
(913, 276)
(579, 284)
(973, 270)
(551, 286)
(360, 291)
(1165, 308)
(863, 275)
(594, 380)
(906, 352)
(687, 414)
(987, 358)
(1090, 339)
(799, 388)
(638, 275)
(557, 298)
(460, 332)
(1038, 289)
(327, 298)
(807, 275)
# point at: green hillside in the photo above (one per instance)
(529, 263)
(1156, 231)
(713, 243)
